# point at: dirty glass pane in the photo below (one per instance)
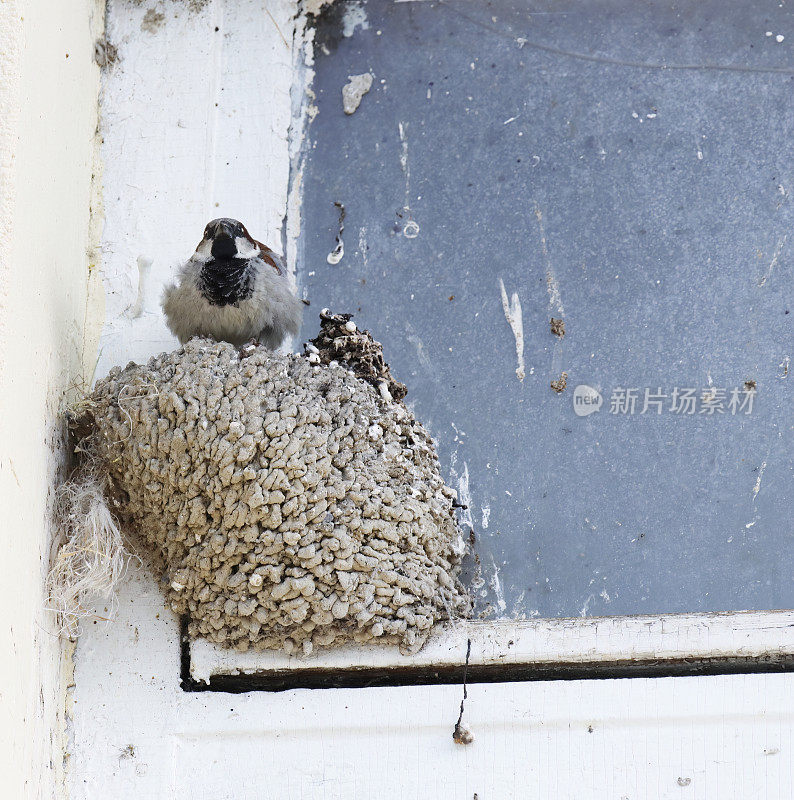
(626, 169)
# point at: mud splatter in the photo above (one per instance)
(560, 384)
(152, 21)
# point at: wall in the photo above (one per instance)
(196, 124)
(196, 114)
(48, 330)
(139, 736)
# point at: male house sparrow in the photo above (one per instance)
(233, 289)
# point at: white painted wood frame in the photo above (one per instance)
(199, 123)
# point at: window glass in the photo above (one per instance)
(626, 170)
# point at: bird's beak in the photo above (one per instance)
(223, 245)
(224, 228)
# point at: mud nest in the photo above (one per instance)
(340, 340)
(288, 503)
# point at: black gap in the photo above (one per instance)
(359, 678)
(185, 680)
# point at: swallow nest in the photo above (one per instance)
(287, 502)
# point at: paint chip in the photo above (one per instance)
(512, 310)
(354, 90)
(354, 16)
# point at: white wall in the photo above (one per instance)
(196, 125)
(195, 122)
(48, 112)
(138, 735)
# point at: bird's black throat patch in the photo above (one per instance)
(226, 281)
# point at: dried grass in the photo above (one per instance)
(91, 559)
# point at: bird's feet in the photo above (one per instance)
(248, 348)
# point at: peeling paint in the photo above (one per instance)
(555, 300)
(354, 17)
(137, 307)
(363, 245)
(421, 353)
(354, 90)
(586, 607)
(410, 228)
(757, 487)
(314, 7)
(336, 255)
(553, 287)
(464, 497)
(512, 309)
(496, 586)
(772, 264)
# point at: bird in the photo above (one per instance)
(232, 289)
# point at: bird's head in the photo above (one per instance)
(226, 239)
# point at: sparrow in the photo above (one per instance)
(233, 289)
